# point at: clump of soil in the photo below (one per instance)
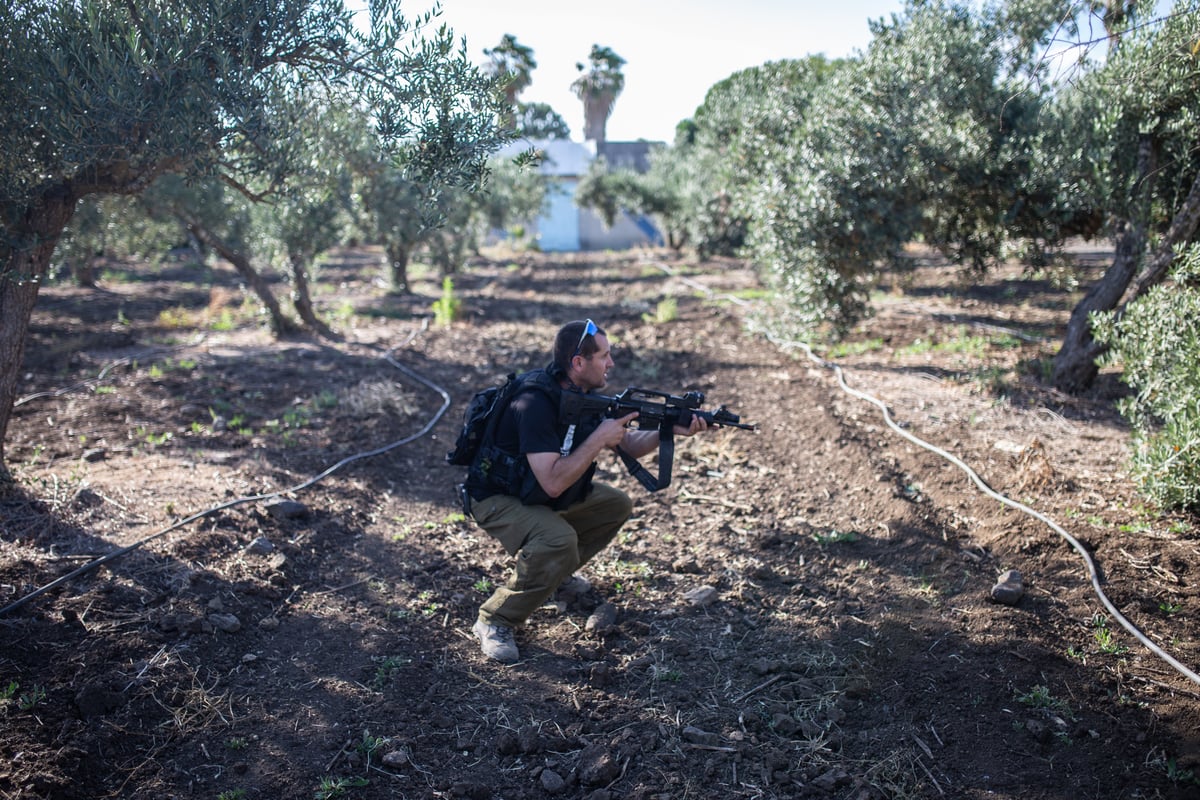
(806, 612)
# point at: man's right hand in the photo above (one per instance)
(612, 431)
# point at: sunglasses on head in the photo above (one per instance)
(589, 329)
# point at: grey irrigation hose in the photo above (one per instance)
(91, 565)
(1087, 558)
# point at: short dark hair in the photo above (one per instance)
(568, 339)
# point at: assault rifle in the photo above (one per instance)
(654, 410)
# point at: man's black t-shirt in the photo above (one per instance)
(531, 425)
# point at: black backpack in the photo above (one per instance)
(479, 420)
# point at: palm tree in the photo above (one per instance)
(599, 88)
(513, 65)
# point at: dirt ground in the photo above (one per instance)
(237, 568)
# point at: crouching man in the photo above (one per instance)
(537, 497)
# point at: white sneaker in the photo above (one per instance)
(497, 642)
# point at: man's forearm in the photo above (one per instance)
(556, 473)
(638, 443)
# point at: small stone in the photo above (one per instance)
(1009, 589)
(269, 623)
(699, 736)
(529, 739)
(600, 676)
(764, 666)
(260, 546)
(225, 622)
(471, 790)
(641, 662)
(552, 782)
(831, 780)
(784, 724)
(701, 596)
(597, 766)
(86, 497)
(586, 652)
(810, 729)
(395, 759)
(286, 509)
(603, 618)
(507, 744)
(685, 566)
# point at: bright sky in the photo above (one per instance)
(674, 49)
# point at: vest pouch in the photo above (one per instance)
(498, 472)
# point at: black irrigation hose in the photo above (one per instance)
(1093, 574)
(20, 401)
(91, 565)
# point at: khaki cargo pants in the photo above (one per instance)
(549, 546)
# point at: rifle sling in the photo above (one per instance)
(666, 455)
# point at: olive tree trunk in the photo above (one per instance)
(1075, 367)
(302, 297)
(398, 267)
(280, 324)
(26, 262)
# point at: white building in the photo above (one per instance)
(565, 227)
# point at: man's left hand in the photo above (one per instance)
(698, 424)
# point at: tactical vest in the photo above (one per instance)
(496, 471)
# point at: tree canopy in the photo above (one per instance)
(103, 97)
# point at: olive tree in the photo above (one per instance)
(1156, 343)
(112, 227)
(102, 98)
(608, 192)
(315, 211)
(925, 135)
(746, 124)
(515, 195)
(831, 203)
(1139, 149)
(397, 211)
